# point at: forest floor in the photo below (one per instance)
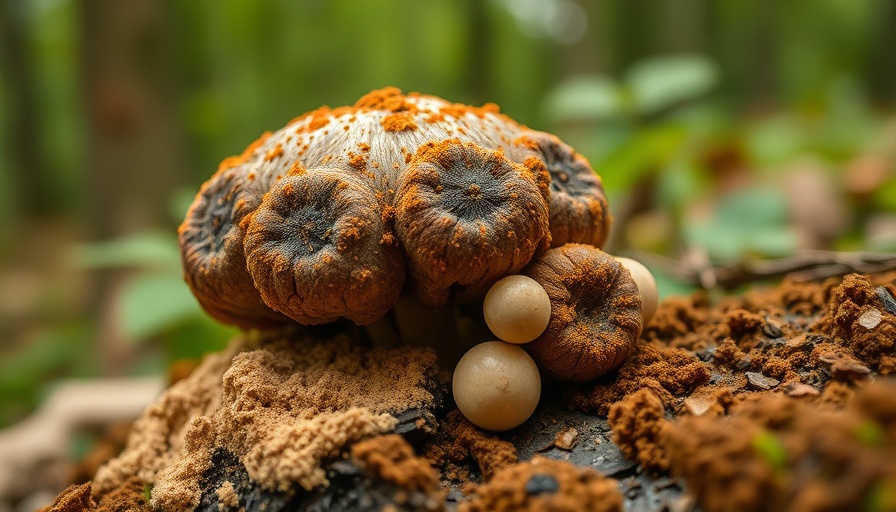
(777, 399)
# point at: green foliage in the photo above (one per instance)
(584, 98)
(155, 303)
(871, 434)
(882, 497)
(769, 447)
(747, 222)
(662, 82)
(25, 374)
(649, 87)
(153, 249)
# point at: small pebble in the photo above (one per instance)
(541, 484)
(698, 405)
(887, 298)
(797, 389)
(566, 439)
(771, 329)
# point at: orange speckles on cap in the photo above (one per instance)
(273, 153)
(296, 169)
(357, 161)
(388, 98)
(400, 122)
(234, 161)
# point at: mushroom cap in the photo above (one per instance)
(579, 209)
(315, 249)
(467, 216)
(213, 257)
(595, 313)
(405, 194)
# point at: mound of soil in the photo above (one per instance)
(779, 399)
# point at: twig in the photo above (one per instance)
(696, 269)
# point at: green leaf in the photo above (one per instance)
(587, 98)
(754, 208)
(885, 196)
(669, 287)
(749, 222)
(871, 434)
(882, 496)
(775, 139)
(681, 183)
(644, 153)
(770, 448)
(152, 249)
(662, 82)
(155, 303)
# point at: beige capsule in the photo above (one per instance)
(496, 385)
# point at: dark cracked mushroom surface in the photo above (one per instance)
(344, 210)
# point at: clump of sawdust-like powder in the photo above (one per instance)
(281, 409)
(157, 436)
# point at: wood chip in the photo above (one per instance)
(566, 439)
(870, 319)
(698, 405)
(761, 381)
(798, 389)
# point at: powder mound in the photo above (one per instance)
(778, 453)
(130, 496)
(546, 484)
(459, 440)
(667, 372)
(638, 424)
(75, 498)
(857, 315)
(158, 435)
(284, 407)
(391, 459)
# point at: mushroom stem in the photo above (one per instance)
(383, 332)
(423, 326)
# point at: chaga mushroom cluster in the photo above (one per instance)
(345, 210)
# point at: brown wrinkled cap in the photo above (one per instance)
(579, 209)
(468, 216)
(595, 313)
(315, 250)
(213, 259)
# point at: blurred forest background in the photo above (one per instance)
(723, 130)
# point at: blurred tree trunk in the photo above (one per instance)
(134, 152)
(133, 149)
(881, 73)
(479, 71)
(28, 169)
